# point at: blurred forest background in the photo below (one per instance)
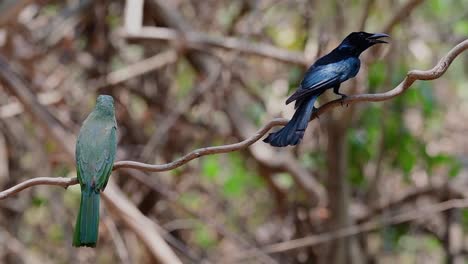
(212, 72)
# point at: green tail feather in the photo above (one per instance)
(87, 223)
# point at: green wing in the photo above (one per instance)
(95, 152)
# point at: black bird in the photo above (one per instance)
(327, 72)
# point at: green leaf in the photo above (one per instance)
(461, 27)
(55, 233)
(284, 180)
(137, 107)
(455, 168)
(356, 177)
(233, 186)
(227, 14)
(38, 201)
(377, 75)
(406, 155)
(185, 78)
(50, 10)
(295, 76)
(190, 200)
(113, 20)
(464, 219)
(210, 167)
(439, 7)
(204, 237)
(453, 164)
(255, 112)
(392, 235)
(240, 178)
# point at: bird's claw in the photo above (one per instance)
(343, 97)
(314, 112)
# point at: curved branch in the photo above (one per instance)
(201, 151)
(434, 73)
(58, 181)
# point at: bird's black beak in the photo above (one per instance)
(375, 38)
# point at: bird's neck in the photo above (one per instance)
(103, 111)
(103, 115)
(348, 50)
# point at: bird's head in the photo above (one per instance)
(105, 104)
(360, 41)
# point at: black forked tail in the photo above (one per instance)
(294, 130)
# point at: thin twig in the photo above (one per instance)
(58, 181)
(437, 190)
(402, 13)
(196, 40)
(10, 10)
(165, 15)
(120, 247)
(201, 151)
(365, 14)
(133, 15)
(16, 108)
(411, 77)
(161, 133)
(312, 240)
(134, 70)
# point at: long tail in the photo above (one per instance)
(87, 223)
(292, 133)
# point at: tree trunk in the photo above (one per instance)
(338, 191)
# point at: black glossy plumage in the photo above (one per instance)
(328, 72)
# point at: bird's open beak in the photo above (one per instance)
(375, 38)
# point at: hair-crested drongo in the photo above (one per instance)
(328, 72)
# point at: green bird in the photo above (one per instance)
(95, 153)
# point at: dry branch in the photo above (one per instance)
(124, 209)
(401, 14)
(198, 40)
(15, 108)
(134, 70)
(374, 224)
(437, 71)
(201, 151)
(10, 9)
(133, 15)
(58, 181)
(167, 16)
